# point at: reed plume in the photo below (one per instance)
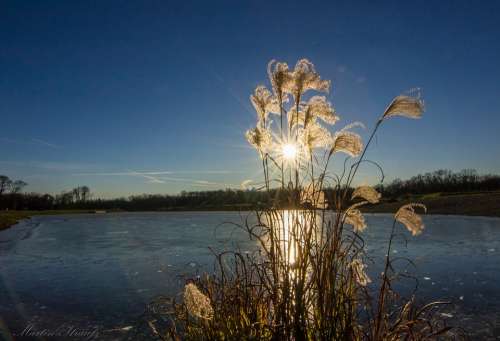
(367, 193)
(197, 304)
(264, 103)
(347, 142)
(358, 268)
(354, 217)
(406, 215)
(411, 106)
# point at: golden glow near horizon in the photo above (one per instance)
(289, 228)
(289, 151)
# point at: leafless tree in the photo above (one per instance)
(5, 183)
(76, 194)
(17, 186)
(85, 193)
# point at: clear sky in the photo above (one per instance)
(152, 96)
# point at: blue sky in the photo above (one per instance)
(152, 96)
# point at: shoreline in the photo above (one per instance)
(462, 204)
(10, 218)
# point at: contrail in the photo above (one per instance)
(45, 143)
(154, 178)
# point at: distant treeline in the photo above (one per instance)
(446, 181)
(12, 197)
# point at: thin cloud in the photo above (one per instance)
(153, 177)
(360, 79)
(7, 140)
(205, 172)
(246, 184)
(30, 142)
(50, 166)
(224, 84)
(128, 173)
(152, 173)
(196, 182)
(45, 143)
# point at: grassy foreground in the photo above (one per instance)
(9, 218)
(473, 204)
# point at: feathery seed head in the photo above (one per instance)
(411, 106)
(314, 136)
(279, 76)
(347, 142)
(354, 217)
(358, 270)
(197, 304)
(407, 216)
(304, 78)
(367, 193)
(260, 138)
(319, 107)
(264, 103)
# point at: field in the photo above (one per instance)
(473, 204)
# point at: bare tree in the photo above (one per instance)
(85, 191)
(76, 194)
(65, 198)
(17, 186)
(5, 183)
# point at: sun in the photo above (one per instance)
(289, 151)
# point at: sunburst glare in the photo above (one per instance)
(289, 151)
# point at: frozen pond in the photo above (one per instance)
(101, 270)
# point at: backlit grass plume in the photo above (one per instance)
(367, 193)
(407, 216)
(411, 106)
(360, 275)
(197, 304)
(309, 280)
(355, 218)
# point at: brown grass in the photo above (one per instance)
(472, 204)
(10, 218)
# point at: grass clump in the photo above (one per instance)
(308, 280)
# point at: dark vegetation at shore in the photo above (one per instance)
(442, 191)
(442, 181)
(9, 218)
